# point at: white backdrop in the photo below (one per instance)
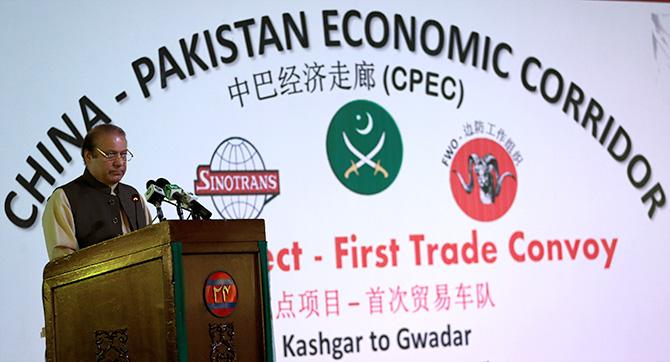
(568, 187)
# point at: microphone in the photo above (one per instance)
(136, 200)
(197, 209)
(174, 192)
(155, 196)
(154, 193)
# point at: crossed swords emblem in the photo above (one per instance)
(365, 159)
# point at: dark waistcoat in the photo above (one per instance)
(97, 213)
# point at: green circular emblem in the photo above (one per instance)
(364, 147)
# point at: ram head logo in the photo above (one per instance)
(488, 177)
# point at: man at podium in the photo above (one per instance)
(96, 206)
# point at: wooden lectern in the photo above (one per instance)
(174, 291)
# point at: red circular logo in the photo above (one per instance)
(483, 179)
(220, 294)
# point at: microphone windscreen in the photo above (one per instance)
(150, 182)
(154, 194)
(161, 182)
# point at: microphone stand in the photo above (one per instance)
(179, 211)
(159, 212)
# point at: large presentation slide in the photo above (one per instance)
(463, 181)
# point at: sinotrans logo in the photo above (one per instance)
(237, 180)
(483, 179)
(364, 147)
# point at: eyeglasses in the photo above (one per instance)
(112, 156)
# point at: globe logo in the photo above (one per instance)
(237, 180)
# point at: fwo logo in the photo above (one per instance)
(483, 179)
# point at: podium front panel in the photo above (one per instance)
(243, 327)
(120, 312)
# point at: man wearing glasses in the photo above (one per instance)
(95, 206)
